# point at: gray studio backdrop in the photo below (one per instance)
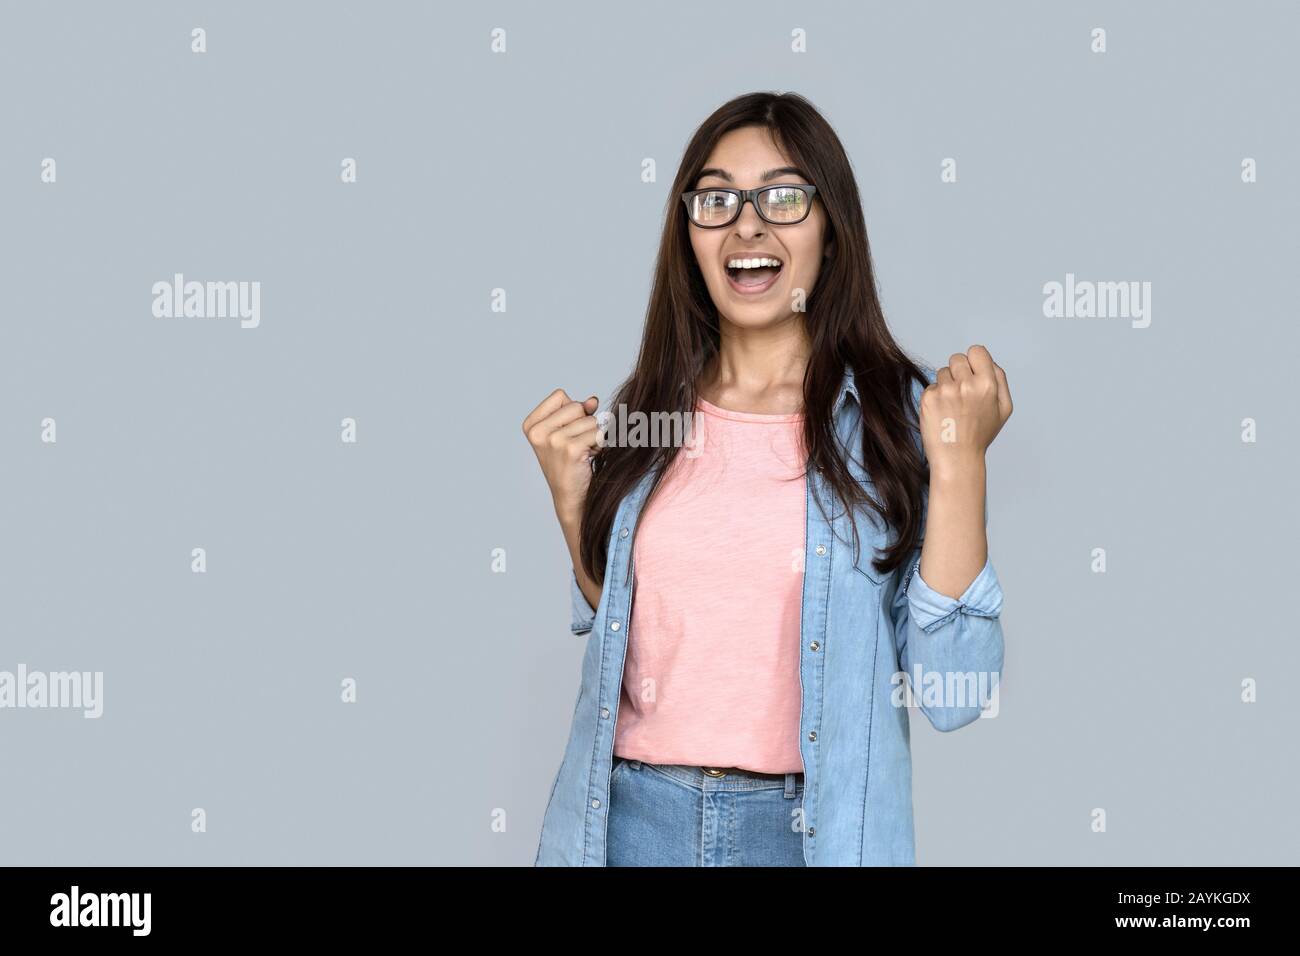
(224, 735)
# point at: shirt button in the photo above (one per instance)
(814, 645)
(596, 804)
(821, 549)
(604, 711)
(812, 831)
(613, 625)
(812, 735)
(623, 533)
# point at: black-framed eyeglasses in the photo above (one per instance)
(717, 206)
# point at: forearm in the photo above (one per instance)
(571, 526)
(956, 545)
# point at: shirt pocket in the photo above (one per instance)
(863, 567)
(871, 541)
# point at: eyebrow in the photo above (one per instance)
(767, 176)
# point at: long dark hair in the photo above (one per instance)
(845, 325)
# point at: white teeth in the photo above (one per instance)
(753, 263)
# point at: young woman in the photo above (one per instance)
(752, 600)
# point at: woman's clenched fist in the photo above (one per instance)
(963, 411)
(563, 433)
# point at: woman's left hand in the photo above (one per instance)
(963, 411)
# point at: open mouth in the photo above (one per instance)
(751, 276)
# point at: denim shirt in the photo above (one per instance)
(858, 630)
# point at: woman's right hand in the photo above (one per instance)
(563, 433)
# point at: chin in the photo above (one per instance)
(751, 317)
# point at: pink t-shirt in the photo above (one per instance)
(712, 670)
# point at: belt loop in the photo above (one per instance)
(789, 786)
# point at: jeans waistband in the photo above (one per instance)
(724, 778)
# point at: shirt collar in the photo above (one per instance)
(847, 387)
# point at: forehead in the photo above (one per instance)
(747, 153)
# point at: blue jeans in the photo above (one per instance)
(677, 815)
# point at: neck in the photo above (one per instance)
(758, 370)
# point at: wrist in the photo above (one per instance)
(957, 468)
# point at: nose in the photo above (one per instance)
(749, 223)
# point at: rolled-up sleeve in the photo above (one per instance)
(950, 648)
(583, 614)
(931, 610)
